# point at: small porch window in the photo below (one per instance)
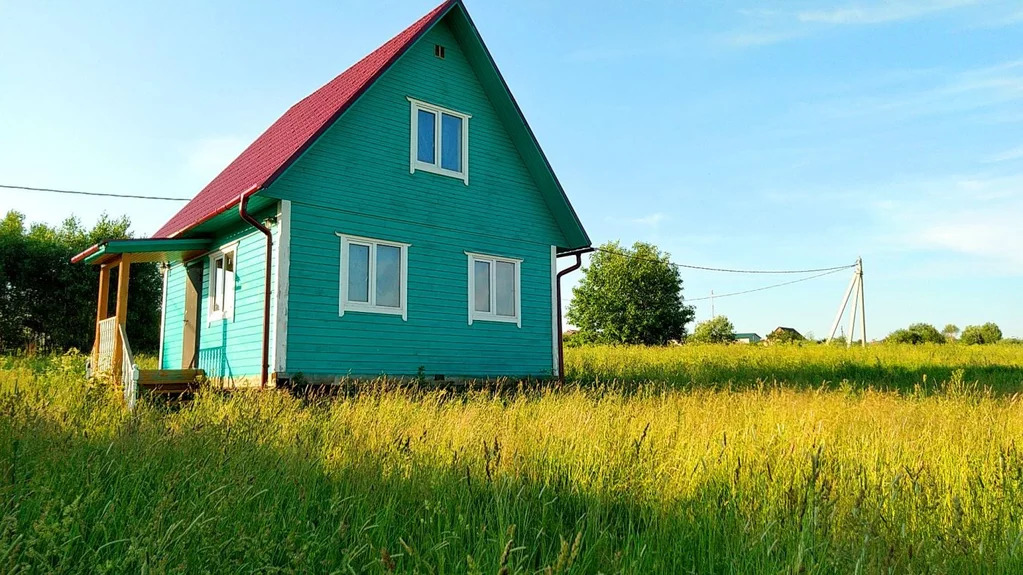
(222, 282)
(440, 141)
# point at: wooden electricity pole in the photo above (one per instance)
(855, 286)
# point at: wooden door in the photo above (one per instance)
(190, 337)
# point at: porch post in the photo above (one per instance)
(121, 313)
(101, 308)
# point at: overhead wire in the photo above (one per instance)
(101, 194)
(728, 270)
(822, 271)
(827, 273)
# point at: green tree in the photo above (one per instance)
(715, 330)
(950, 331)
(981, 334)
(915, 334)
(47, 301)
(630, 296)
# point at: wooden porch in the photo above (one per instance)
(111, 358)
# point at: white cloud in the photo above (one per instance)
(209, 156)
(604, 54)
(1006, 156)
(652, 220)
(763, 38)
(1003, 20)
(975, 216)
(764, 27)
(937, 92)
(880, 12)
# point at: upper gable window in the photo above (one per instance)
(440, 141)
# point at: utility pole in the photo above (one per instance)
(712, 314)
(856, 285)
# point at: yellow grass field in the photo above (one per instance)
(674, 460)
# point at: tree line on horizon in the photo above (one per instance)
(48, 304)
(634, 296)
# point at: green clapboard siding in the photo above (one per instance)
(355, 179)
(174, 317)
(230, 348)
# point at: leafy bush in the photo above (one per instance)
(915, 334)
(981, 334)
(715, 330)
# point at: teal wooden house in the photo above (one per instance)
(402, 220)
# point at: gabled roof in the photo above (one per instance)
(283, 142)
(293, 132)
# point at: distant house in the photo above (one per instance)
(784, 334)
(747, 338)
(401, 219)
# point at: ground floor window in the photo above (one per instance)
(374, 276)
(494, 293)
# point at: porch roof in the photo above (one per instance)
(144, 250)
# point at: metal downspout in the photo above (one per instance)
(242, 204)
(561, 338)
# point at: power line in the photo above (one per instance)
(834, 271)
(78, 193)
(728, 270)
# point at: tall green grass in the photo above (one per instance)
(644, 478)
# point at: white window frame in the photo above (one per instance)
(435, 168)
(226, 311)
(492, 314)
(371, 307)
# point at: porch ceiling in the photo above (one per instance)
(144, 250)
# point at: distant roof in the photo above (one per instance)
(285, 140)
(750, 335)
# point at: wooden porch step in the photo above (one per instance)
(170, 381)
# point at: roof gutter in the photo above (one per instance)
(88, 252)
(243, 201)
(578, 253)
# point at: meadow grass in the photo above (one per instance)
(582, 478)
(881, 367)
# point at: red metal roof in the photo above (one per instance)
(273, 151)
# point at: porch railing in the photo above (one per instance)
(105, 346)
(129, 372)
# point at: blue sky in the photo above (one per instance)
(734, 134)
